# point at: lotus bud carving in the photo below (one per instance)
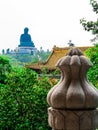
(73, 91)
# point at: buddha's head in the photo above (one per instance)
(26, 30)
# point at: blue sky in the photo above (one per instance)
(50, 22)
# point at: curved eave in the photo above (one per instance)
(55, 55)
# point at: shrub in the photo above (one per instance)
(5, 68)
(92, 53)
(40, 121)
(23, 104)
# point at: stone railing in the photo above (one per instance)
(73, 101)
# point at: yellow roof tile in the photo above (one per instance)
(55, 55)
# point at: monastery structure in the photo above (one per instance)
(55, 55)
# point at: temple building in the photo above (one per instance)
(55, 55)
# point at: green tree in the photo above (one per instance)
(92, 53)
(40, 56)
(24, 58)
(23, 104)
(40, 118)
(5, 68)
(91, 25)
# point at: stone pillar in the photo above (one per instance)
(73, 101)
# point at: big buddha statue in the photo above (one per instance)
(25, 39)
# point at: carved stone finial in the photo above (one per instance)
(73, 100)
(74, 90)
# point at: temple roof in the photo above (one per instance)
(56, 54)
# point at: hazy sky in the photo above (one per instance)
(50, 22)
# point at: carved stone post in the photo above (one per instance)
(73, 100)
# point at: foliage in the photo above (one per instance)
(91, 25)
(23, 104)
(5, 68)
(44, 71)
(92, 53)
(41, 117)
(56, 72)
(21, 59)
(40, 56)
(13, 61)
(94, 5)
(24, 58)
